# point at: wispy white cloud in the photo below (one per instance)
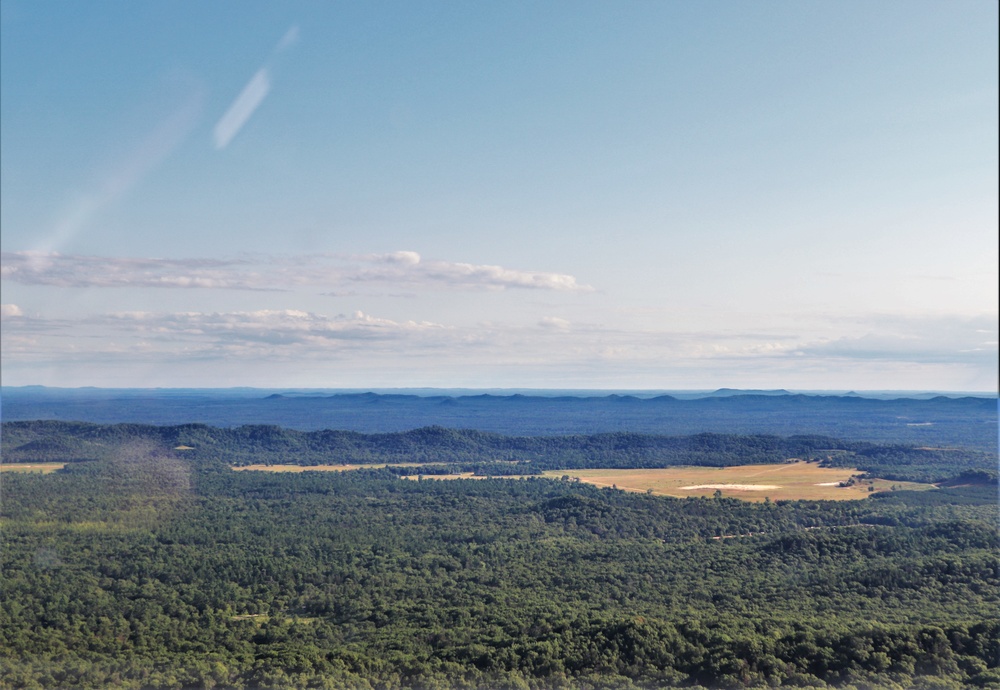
(554, 322)
(551, 337)
(267, 325)
(10, 311)
(403, 258)
(81, 271)
(409, 267)
(937, 339)
(404, 268)
(168, 337)
(359, 345)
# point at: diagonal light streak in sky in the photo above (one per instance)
(250, 98)
(243, 107)
(142, 159)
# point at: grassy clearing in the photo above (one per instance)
(786, 481)
(39, 467)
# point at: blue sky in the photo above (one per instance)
(587, 194)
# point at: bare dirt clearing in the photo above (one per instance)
(734, 487)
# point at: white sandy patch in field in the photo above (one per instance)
(828, 484)
(735, 487)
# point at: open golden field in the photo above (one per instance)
(786, 481)
(41, 467)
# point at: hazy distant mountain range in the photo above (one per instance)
(936, 421)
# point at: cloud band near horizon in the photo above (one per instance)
(406, 268)
(308, 336)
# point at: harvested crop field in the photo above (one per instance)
(40, 467)
(786, 481)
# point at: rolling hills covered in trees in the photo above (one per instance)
(484, 452)
(140, 565)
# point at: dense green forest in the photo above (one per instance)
(143, 566)
(485, 453)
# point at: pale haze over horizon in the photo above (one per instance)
(576, 195)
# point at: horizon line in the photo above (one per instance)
(373, 389)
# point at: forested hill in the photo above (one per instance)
(482, 452)
(937, 422)
(148, 570)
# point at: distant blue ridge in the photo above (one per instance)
(931, 420)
